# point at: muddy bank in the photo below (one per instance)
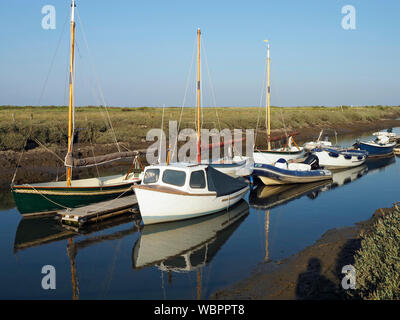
(312, 274)
(41, 165)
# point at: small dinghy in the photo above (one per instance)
(332, 158)
(285, 173)
(308, 146)
(182, 190)
(380, 147)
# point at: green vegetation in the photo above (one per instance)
(377, 263)
(49, 124)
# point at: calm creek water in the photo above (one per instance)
(189, 259)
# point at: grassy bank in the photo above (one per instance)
(49, 124)
(377, 262)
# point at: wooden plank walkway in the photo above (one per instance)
(98, 211)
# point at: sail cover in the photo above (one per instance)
(223, 184)
(70, 161)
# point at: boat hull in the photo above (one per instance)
(374, 149)
(335, 159)
(270, 157)
(44, 198)
(172, 206)
(271, 175)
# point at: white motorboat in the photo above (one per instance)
(330, 158)
(182, 190)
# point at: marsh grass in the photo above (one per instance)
(377, 263)
(49, 124)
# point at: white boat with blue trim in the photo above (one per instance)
(332, 158)
(283, 172)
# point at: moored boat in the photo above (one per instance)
(182, 190)
(330, 158)
(283, 172)
(289, 151)
(40, 198)
(379, 147)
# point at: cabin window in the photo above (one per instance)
(151, 176)
(197, 180)
(174, 177)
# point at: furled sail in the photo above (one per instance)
(72, 162)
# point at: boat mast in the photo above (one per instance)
(71, 89)
(268, 112)
(198, 97)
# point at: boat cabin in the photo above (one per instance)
(192, 178)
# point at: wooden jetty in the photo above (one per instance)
(98, 211)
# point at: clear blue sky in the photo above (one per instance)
(142, 51)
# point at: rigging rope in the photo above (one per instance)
(260, 104)
(97, 82)
(184, 97)
(52, 61)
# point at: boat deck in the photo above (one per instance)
(98, 211)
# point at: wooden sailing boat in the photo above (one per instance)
(50, 196)
(288, 152)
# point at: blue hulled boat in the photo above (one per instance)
(381, 146)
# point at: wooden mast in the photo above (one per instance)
(266, 258)
(268, 113)
(71, 89)
(198, 97)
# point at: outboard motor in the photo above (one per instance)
(313, 161)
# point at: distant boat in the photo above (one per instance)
(379, 147)
(289, 151)
(182, 190)
(286, 173)
(308, 146)
(33, 198)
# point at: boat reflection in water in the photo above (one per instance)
(187, 245)
(342, 177)
(32, 232)
(380, 163)
(267, 197)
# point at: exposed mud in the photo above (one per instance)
(312, 274)
(39, 164)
